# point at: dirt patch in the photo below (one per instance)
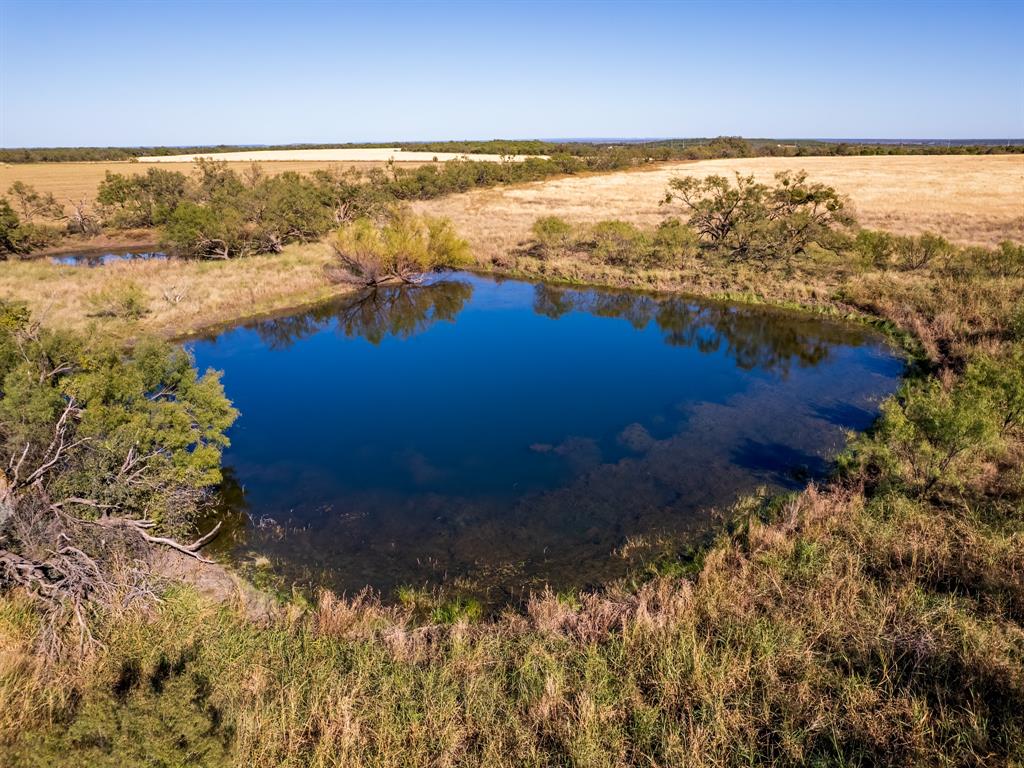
(214, 581)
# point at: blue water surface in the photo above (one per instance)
(504, 435)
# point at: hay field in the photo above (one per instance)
(78, 181)
(973, 200)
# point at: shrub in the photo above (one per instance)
(99, 447)
(1017, 321)
(21, 238)
(554, 236)
(1005, 261)
(194, 230)
(673, 242)
(620, 243)
(226, 217)
(125, 300)
(10, 230)
(999, 379)
(927, 250)
(936, 436)
(402, 250)
(32, 203)
(875, 249)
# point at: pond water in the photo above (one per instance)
(102, 257)
(502, 435)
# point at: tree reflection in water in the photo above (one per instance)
(554, 443)
(752, 336)
(397, 311)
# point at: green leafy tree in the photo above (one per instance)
(104, 454)
(194, 230)
(145, 200)
(750, 221)
(150, 405)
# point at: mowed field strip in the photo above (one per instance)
(359, 155)
(972, 199)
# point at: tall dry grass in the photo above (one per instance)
(831, 635)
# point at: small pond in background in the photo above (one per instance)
(102, 257)
(503, 435)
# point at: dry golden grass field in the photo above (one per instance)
(177, 297)
(78, 181)
(973, 200)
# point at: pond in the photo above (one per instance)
(102, 257)
(501, 435)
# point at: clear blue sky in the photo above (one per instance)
(179, 73)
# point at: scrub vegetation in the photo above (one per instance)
(874, 620)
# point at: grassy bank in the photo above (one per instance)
(171, 298)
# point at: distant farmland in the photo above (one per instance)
(357, 155)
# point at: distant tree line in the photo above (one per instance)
(602, 154)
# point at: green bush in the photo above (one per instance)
(553, 235)
(620, 243)
(673, 243)
(21, 238)
(933, 437)
(200, 231)
(149, 405)
(874, 248)
(1005, 261)
(125, 300)
(145, 200)
(1017, 321)
(403, 249)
